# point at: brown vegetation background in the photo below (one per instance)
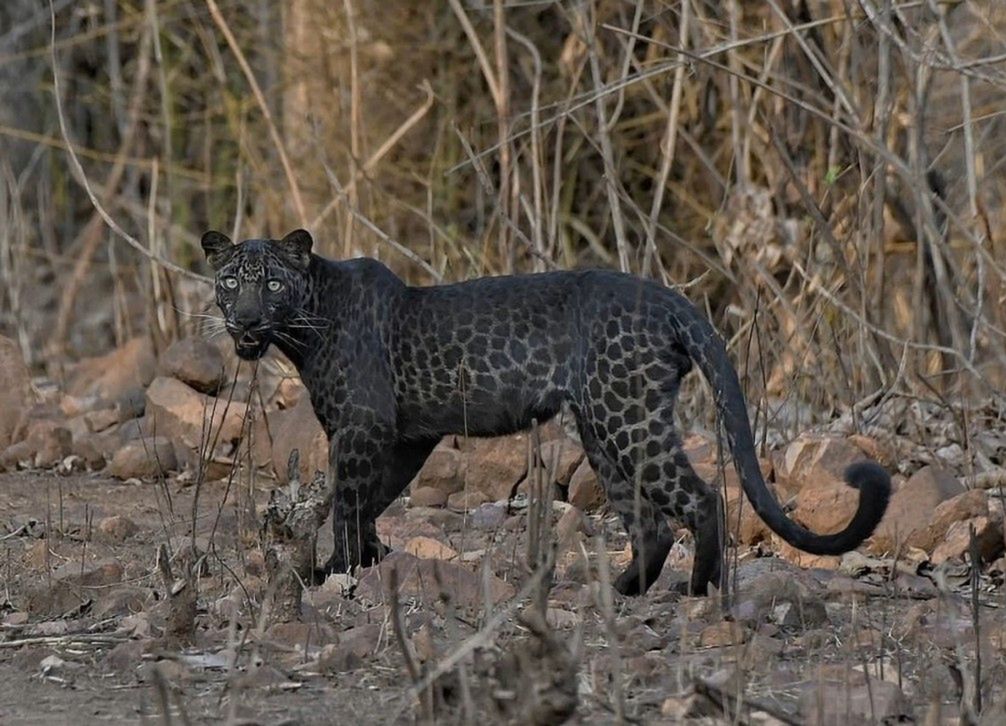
(823, 177)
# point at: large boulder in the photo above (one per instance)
(143, 458)
(441, 476)
(16, 395)
(496, 466)
(113, 375)
(912, 507)
(191, 419)
(196, 362)
(297, 428)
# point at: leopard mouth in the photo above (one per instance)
(250, 346)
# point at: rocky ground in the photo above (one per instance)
(137, 584)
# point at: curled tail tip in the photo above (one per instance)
(870, 477)
(874, 485)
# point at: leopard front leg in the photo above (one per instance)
(357, 455)
(357, 504)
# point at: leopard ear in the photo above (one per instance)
(297, 248)
(218, 248)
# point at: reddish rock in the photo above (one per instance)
(143, 459)
(188, 417)
(427, 497)
(298, 428)
(972, 503)
(442, 471)
(117, 528)
(111, 375)
(825, 505)
(101, 419)
(351, 648)
(419, 579)
(814, 461)
(49, 442)
(561, 458)
(16, 394)
(16, 456)
(572, 522)
(427, 548)
(803, 559)
(585, 491)
(194, 361)
(956, 542)
(741, 520)
(722, 634)
(467, 500)
(912, 506)
(704, 455)
(496, 466)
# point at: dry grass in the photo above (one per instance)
(828, 175)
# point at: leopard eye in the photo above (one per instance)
(274, 285)
(230, 283)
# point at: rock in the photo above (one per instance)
(561, 458)
(972, 503)
(912, 506)
(802, 559)
(571, 522)
(16, 456)
(117, 528)
(427, 497)
(723, 633)
(49, 443)
(131, 404)
(488, 516)
(802, 615)
(298, 428)
(110, 376)
(427, 548)
(957, 540)
(144, 459)
(703, 454)
(585, 491)
(741, 519)
(766, 583)
(496, 466)
(186, 417)
(73, 585)
(834, 703)
(101, 419)
(87, 449)
(814, 469)
(442, 520)
(16, 394)
(351, 649)
(465, 501)
(418, 578)
(815, 461)
(194, 361)
(441, 472)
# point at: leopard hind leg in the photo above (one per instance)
(649, 534)
(671, 483)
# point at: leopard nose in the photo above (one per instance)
(248, 319)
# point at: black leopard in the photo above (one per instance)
(391, 369)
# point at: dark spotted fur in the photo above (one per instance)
(391, 369)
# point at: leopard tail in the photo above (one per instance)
(708, 351)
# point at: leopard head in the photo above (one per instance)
(261, 286)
